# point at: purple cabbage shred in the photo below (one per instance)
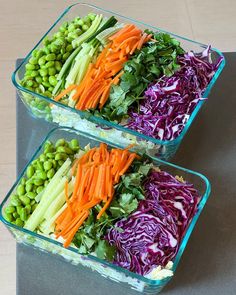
(168, 103)
(151, 235)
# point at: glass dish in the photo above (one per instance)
(125, 278)
(82, 120)
(64, 115)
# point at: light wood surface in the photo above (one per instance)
(23, 22)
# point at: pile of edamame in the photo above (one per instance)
(38, 174)
(45, 63)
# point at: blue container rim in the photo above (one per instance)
(106, 263)
(98, 120)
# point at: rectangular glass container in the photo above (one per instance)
(124, 278)
(44, 107)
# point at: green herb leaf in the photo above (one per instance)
(105, 251)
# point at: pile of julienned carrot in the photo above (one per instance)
(95, 87)
(96, 173)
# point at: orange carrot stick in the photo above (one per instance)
(64, 92)
(104, 208)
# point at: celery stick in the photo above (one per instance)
(82, 38)
(58, 202)
(70, 79)
(48, 225)
(38, 215)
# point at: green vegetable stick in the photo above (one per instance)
(38, 215)
(58, 202)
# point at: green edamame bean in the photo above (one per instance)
(42, 158)
(38, 79)
(43, 72)
(50, 155)
(60, 142)
(23, 215)
(46, 84)
(54, 163)
(48, 94)
(25, 200)
(42, 61)
(19, 222)
(52, 80)
(20, 190)
(34, 207)
(51, 71)
(50, 173)
(66, 55)
(74, 143)
(23, 181)
(32, 203)
(34, 52)
(69, 48)
(47, 145)
(15, 215)
(30, 171)
(39, 165)
(15, 201)
(31, 195)
(38, 181)
(58, 65)
(60, 162)
(34, 73)
(85, 27)
(51, 56)
(10, 209)
(39, 54)
(62, 29)
(49, 64)
(29, 187)
(62, 51)
(18, 209)
(80, 22)
(28, 209)
(47, 165)
(46, 183)
(61, 156)
(42, 175)
(51, 89)
(29, 83)
(29, 66)
(59, 57)
(33, 61)
(40, 188)
(8, 217)
(92, 16)
(71, 28)
(54, 48)
(64, 149)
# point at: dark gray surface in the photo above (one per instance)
(208, 265)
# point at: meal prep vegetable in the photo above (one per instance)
(143, 80)
(111, 203)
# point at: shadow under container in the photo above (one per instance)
(120, 278)
(44, 107)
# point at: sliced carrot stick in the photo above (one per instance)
(75, 229)
(129, 162)
(126, 28)
(144, 36)
(104, 208)
(64, 92)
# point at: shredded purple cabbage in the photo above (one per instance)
(151, 235)
(169, 102)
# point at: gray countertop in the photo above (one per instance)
(208, 265)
